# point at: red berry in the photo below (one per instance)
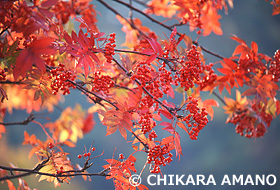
(121, 156)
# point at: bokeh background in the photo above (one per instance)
(218, 150)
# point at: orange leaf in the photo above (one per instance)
(239, 40)
(10, 185)
(182, 126)
(254, 47)
(208, 106)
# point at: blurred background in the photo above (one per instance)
(218, 150)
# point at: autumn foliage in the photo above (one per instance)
(131, 89)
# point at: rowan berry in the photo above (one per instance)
(159, 155)
(2, 75)
(50, 145)
(93, 149)
(79, 156)
(196, 119)
(121, 156)
(274, 68)
(190, 70)
(101, 82)
(146, 122)
(61, 79)
(109, 48)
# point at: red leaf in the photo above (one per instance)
(231, 64)
(151, 58)
(123, 132)
(166, 113)
(48, 3)
(254, 47)
(278, 107)
(173, 33)
(32, 55)
(171, 93)
(88, 124)
(239, 40)
(178, 147)
(155, 45)
(157, 117)
(167, 140)
(250, 92)
(168, 127)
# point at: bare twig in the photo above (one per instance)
(144, 144)
(167, 27)
(29, 119)
(219, 97)
(35, 171)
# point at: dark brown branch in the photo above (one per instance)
(29, 119)
(144, 144)
(35, 171)
(219, 97)
(145, 90)
(4, 30)
(10, 82)
(167, 27)
(117, 13)
(86, 92)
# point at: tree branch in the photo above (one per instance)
(35, 171)
(219, 97)
(145, 90)
(85, 91)
(29, 119)
(167, 27)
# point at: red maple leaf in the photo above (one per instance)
(32, 55)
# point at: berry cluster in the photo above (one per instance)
(50, 145)
(152, 135)
(165, 78)
(146, 122)
(121, 156)
(2, 75)
(87, 154)
(60, 170)
(189, 73)
(101, 82)
(159, 156)
(196, 119)
(245, 121)
(274, 68)
(109, 48)
(143, 73)
(209, 77)
(60, 79)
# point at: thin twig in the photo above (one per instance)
(35, 171)
(29, 119)
(219, 97)
(144, 144)
(167, 27)
(145, 90)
